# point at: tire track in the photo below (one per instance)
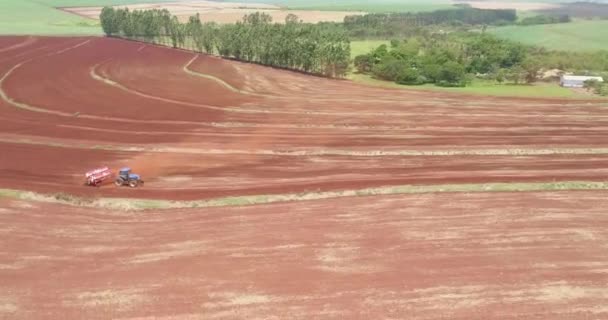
(106, 80)
(26, 42)
(186, 68)
(24, 106)
(15, 139)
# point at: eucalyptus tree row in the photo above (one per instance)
(311, 48)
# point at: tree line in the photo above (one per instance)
(580, 62)
(312, 48)
(545, 19)
(393, 24)
(446, 60)
(453, 59)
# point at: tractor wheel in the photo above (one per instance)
(119, 182)
(133, 183)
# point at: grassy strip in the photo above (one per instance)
(484, 88)
(322, 152)
(143, 204)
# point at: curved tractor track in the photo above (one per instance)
(372, 203)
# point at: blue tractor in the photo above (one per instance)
(126, 178)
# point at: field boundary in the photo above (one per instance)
(126, 204)
(315, 152)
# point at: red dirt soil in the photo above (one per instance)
(68, 105)
(444, 256)
(73, 104)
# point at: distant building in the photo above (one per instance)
(570, 81)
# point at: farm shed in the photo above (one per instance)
(569, 81)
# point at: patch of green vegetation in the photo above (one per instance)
(360, 47)
(482, 87)
(8, 193)
(580, 35)
(525, 14)
(144, 204)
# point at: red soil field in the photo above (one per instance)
(199, 127)
(233, 128)
(434, 256)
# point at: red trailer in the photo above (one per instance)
(97, 176)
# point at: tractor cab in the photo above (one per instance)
(125, 173)
(125, 177)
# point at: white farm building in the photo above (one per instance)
(569, 81)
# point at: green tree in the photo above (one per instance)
(516, 74)
(500, 76)
(109, 22)
(209, 31)
(602, 89)
(175, 32)
(364, 63)
(591, 84)
(292, 18)
(431, 71)
(410, 76)
(390, 69)
(531, 69)
(452, 74)
(194, 29)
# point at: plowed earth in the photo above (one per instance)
(196, 126)
(435, 256)
(200, 127)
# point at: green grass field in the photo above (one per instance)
(19, 17)
(579, 35)
(368, 6)
(365, 46)
(481, 87)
